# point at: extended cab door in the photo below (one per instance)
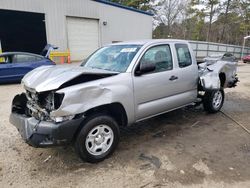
(187, 71)
(164, 88)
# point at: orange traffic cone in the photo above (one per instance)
(62, 60)
(68, 57)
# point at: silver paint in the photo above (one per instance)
(209, 74)
(99, 140)
(47, 78)
(141, 96)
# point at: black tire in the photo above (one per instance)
(90, 124)
(208, 99)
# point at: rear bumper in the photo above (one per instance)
(44, 134)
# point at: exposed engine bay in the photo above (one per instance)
(40, 104)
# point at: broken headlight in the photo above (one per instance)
(41, 104)
(58, 98)
(50, 100)
(62, 118)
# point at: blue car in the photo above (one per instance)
(14, 65)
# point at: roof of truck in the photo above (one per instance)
(150, 41)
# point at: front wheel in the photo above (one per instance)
(213, 100)
(97, 139)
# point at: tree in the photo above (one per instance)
(196, 20)
(210, 8)
(224, 21)
(198, 29)
(167, 12)
(138, 4)
(225, 18)
(235, 19)
(244, 11)
(211, 5)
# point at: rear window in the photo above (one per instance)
(183, 55)
(23, 58)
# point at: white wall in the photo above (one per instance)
(121, 24)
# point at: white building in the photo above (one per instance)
(78, 25)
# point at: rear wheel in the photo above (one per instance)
(97, 139)
(213, 100)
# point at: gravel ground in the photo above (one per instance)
(184, 148)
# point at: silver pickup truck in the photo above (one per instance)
(118, 85)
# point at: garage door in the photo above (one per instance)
(83, 37)
(22, 31)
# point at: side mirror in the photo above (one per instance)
(145, 68)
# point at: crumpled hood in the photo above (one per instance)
(48, 78)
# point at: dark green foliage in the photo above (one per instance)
(138, 4)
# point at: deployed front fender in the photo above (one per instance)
(79, 101)
(83, 97)
(210, 75)
(210, 81)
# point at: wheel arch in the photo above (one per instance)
(222, 77)
(115, 110)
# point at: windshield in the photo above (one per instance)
(113, 58)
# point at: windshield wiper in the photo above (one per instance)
(103, 69)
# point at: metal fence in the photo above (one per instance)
(203, 49)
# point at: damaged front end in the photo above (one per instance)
(35, 112)
(31, 116)
(37, 105)
(41, 104)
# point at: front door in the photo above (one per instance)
(154, 90)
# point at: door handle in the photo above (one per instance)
(173, 78)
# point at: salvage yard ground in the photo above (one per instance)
(184, 148)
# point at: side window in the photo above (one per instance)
(21, 58)
(228, 55)
(183, 55)
(160, 56)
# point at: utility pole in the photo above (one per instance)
(243, 47)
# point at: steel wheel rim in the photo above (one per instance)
(99, 140)
(217, 99)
